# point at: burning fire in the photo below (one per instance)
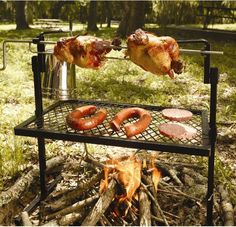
(156, 174)
(127, 171)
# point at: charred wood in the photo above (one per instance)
(105, 220)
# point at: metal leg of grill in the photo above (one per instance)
(42, 167)
(214, 75)
(210, 191)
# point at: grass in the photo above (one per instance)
(227, 27)
(119, 81)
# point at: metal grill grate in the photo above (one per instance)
(54, 122)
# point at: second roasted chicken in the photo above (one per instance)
(83, 51)
(158, 55)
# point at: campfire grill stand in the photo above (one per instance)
(50, 124)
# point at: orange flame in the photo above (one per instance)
(127, 171)
(128, 174)
(156, 174)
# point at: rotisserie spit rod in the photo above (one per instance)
(191, 51)
(181, 50)
(188, 51)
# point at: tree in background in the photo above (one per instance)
(175, 12)
(108, 13)
(92, 16)
(21, 22)
(6, 11)
(133, 17)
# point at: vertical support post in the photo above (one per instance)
(214, 75)
(207, 63)
(38, 114)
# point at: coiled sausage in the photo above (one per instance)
(132, 129)
(76, 121)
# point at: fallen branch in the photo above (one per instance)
(9, 197)
(25, 219)
(51, 223)
(180, 192)
(173, 175)
(181, 164)
(226, 205)
(144, 209)
(156, 203)
(161, 220)
(148, 181)
(70, 219)
(167, 170)
(74, 208)
(101, 205)
(71, 196)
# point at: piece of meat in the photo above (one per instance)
(83, 51)
(132, 129)
(177, 130)
(76, 120)
(174, 114)
(158, 55)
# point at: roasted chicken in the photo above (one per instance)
(84, 51)
(158, 55)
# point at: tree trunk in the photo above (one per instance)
(56, 9)
(133, 17)
(21, 22)
(92, 17)
(108, 13)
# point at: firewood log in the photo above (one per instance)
(25, 219)
(144, 209)
(73, 208)
(226, 205)
(71, 196)
(102, 204)
(9, 197)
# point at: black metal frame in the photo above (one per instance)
(209, 130)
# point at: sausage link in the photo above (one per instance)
(76, 121)
(132, 129)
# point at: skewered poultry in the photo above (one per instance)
(158, 55)
(83, 51)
